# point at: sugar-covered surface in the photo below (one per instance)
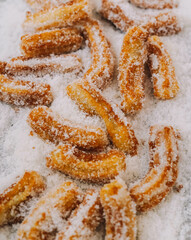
(20, 151)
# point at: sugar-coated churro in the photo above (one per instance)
(37, 5)
(50, 126)
(131, 69)
(162, 70)
(90, 167)
(101, 70)
(124, 15)
(84, 220)
(51, 42)
(26, 187)
(24, 93)
(90, 99)
(59, 203)
(63, 15)
(119, 210)
(41, 66)
(155, 4)
(163, 172)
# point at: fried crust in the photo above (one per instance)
(45, 43)
(91, 167)
(24, 93)
(39, 224)
(131, 69)
(50, 126)
(160, 179)
(84, 219)
(164, 79)
(91, 101)
(26, 187)
(156, 4)
(119, 211)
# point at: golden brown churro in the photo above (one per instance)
(131, 69)
(125, 15)
(120, 211)
(57, 203)
(50, 126)
(26, 187)
(102, 67)
(37, 5)
(163, 169)
(163, 72)
(24, 93)
(41, 66)
(155, 4)
(51, 42)
(91, 101)
(90, 167)
(63, 15)
(84, 220)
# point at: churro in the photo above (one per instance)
(119, 210)
(155, 4)
(37, 5)
(84, 220)
(91, 101)
(50, 126)
(63, 15)
(101, 69)
(163, 172)
(162, 70)
(124, 15)
(51, 42)
(59, 203)
(131, 69)
(98, 168)
(41, 66)
(26, 187)
(24, 93)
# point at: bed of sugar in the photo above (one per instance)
(19, 151)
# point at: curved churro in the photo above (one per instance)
(91, 101)
(102, 67)
(59, 202)
(50, 126)
(84, 220)
(125, 15)
(156, 4)
(90, 167)
(26, 187)
(41, 66)
(120, 211)
(63, 15)
(163, 72)
(24, 93)
(51, 42)
(131, 69)
(163, 169)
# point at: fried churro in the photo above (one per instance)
(50, 126)
(37, 5)
(162, 70)
(155, 4)
(131, 69)
(24, 93)
(120, 211)
(102, 67)
(91, 101)
(51, 42)
(63, 15)
(91, 167)
(124, 15)
(59, 202)
(163, 172)
(26, 187)
(41, 66)
(84, 220)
